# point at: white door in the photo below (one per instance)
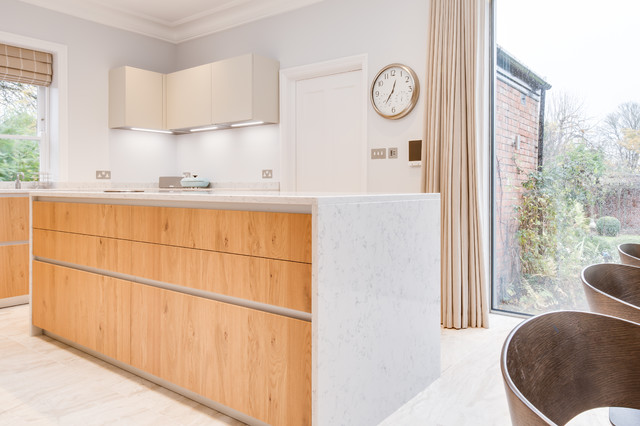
(330, 147)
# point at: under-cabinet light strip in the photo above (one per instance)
(250, 123)
(151, 130)
(202, 129)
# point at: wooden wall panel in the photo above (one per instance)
(96, 252)
(14, 270)
(252, 361)
(107, 220)
(89, 309)
(14, 219)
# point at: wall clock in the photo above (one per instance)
(395, 91)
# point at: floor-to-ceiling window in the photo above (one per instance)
(566, 163)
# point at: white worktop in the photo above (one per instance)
(14, 192)
(233, 196)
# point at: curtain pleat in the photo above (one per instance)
(451, 158)
(25, 65)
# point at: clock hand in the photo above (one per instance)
(392, 90)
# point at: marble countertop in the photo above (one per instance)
(14, 191)
(228, 196)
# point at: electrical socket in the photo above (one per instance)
(267, 174)
(393, 152)
(378, 153)
(103, 174)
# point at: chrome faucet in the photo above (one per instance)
(18, 182)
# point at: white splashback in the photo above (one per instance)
(141, 156)
(233, 155)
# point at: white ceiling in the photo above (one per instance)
(172, 20)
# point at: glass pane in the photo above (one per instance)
(566, 147)
(19, 155)
(18, 109)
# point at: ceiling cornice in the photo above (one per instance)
(199, 25)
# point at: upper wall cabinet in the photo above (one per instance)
(136, 98)
(245, 88)
(189, 98)
(236, 90)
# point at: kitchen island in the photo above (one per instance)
(284, 309)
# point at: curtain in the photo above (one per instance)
(455, 148)
(25, 65)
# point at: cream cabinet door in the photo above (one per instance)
(245, 88)
(136, 98)
(189, 98)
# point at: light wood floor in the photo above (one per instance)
(470, 390)
(44, 382)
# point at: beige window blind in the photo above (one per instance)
(25, 65)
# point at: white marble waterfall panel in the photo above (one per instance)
(376, 307)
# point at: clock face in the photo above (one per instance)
(394, 91)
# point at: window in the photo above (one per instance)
(566, 162)
(23, 131)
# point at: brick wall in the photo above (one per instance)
(517, 115)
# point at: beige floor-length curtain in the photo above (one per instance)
(453, 154)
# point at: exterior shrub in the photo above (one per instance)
(608, 226)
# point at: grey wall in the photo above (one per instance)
(387, 31)
(93, 49)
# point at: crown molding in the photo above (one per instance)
(198, 25)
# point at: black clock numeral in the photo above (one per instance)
(393, 110)
(407, 79)
(393, 73)
(381, 83)
(386, 75)
(377, 93)
(410, 89)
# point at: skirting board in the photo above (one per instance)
(161, 382)
(14, 301)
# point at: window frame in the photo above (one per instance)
(492, 135)
(42, 130)
(56, 152)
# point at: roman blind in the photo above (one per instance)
(25, 65)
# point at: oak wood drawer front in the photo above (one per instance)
(285, 236)
(255, 362)
(96, 252)
(274, 282)
(270, 281)
(89, 309)
(14, 219)
(105, 220)
(14, 270)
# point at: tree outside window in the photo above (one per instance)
(20, 136)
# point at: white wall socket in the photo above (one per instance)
(267, 174)
(103, 174)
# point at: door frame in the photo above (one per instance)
(288, 143)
